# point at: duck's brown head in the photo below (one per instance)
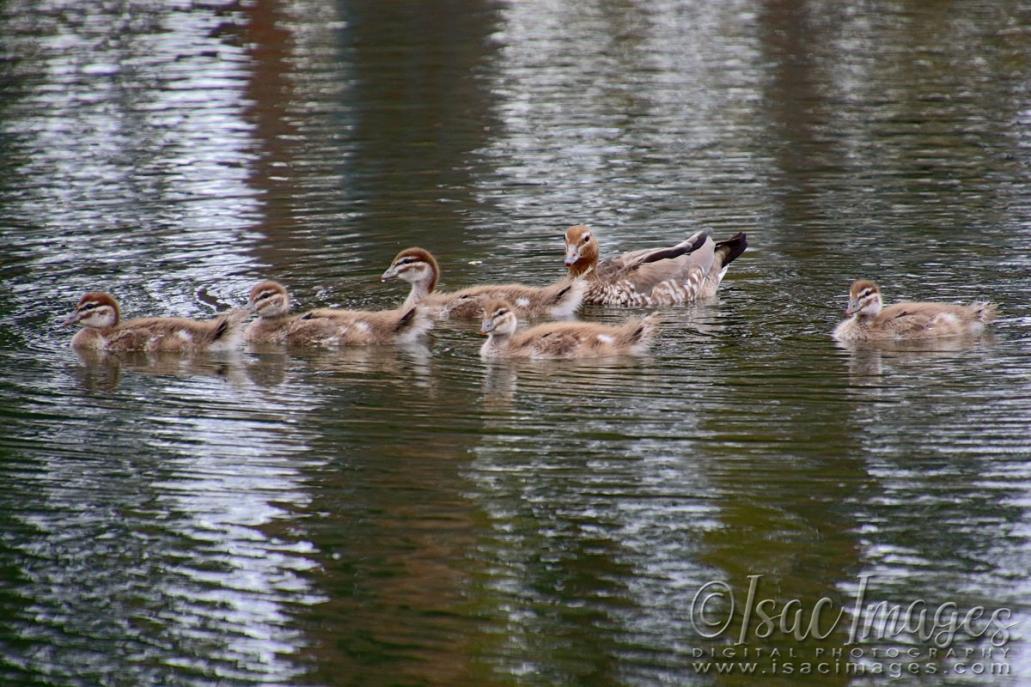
(581, 249)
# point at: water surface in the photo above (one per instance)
(418, 516)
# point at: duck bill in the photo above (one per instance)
(487, 327)
(72, 318)
(389, 275)
(852, 309)
(572, 255)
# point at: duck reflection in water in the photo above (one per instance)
(401, 364)
(261, 367)
(611, 377)
(874, 358)
(103, 369)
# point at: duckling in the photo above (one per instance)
(419, 268)
(688, 271)
(869, 320)
(334, 327)
(561, 339)
(104, 330)
(270, 300)
(328, 327)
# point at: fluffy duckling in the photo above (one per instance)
(334, 327)
(688, 271)
(104, 330)
(561, 339)
(271, 302)
(328, 327)
(869, 320)
(420, 269)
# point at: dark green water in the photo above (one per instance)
(418, 517)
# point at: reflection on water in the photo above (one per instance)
(415, 515)
(873, 359)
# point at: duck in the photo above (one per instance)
(328, 327)
(418, 267)
(683, 273)
(103, 329)
(554, 340)
(869, 320)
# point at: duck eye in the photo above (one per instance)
(89, 306)
(586, 238)
(263, 295)
(499, 313)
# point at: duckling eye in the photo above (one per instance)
(586, 238)
(263, 295)
(89, 306)
(499, 313)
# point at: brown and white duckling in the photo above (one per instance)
(420, 269)
(329, 327)
(686, 272)
(335, 327)
(869, 320)
(271, 302)
(104, 330)
(561, 339)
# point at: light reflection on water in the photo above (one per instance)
(419, 516)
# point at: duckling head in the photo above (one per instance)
(95, 309)
(269, 299)
(864, 299)
(415, 266)
(498, 319)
